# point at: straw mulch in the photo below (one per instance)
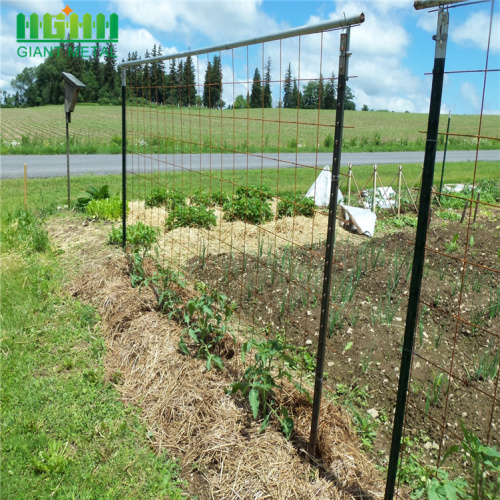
(190, 414)
(182, 244)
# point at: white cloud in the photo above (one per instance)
(220, 21)
(470, 96)
(475, 29)
(11, 63)
(140, 40)
(36, 6)
(427, 22)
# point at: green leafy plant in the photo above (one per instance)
(201, 197)
(92, 194)
(138, 235)
(166, 284)
(485, 462)
(263, 193)
(156, 198)
(106, 209)
(191, 216)
(272, 362)
(206, 318)
(253, 210)
(452, 245)
(290, 206)
(54, 460)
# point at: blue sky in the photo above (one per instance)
(391, 51)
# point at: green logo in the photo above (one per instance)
(51, 28)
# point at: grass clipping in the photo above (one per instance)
(189, 413)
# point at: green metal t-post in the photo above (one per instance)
(330, 240)
(441, 38)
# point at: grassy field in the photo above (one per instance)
(65, 432)
(97, 129)
(45, 193)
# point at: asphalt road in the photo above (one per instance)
(12, 167)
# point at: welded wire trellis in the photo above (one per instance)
(225, 184)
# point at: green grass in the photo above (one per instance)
(65, 432)
(47, 194)
(97, 129)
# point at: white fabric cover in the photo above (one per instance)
(320, 190)
(361, 218)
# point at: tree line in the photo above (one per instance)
(152, 82)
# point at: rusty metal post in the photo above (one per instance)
(330, 239)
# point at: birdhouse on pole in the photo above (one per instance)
(72, 87)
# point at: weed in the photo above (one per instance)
(366, 428)
(52, 461)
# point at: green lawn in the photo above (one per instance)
(65, 432)
(97, 129)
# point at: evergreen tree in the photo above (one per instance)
(212, 89)
(330, 99)
(206, 86)
(146, 78)
(287, 88)
(256, 93)
(180, 82)
(216, 83)
(189, 82)
(296, 96)
(173, 85)
(159, 78)
(268, 100)
(349, 103)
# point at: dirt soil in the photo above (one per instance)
(363, 356)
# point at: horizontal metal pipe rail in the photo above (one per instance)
(427, 4)
(302, 30)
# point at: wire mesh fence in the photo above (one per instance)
(214, 163)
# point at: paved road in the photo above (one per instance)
(55, 165)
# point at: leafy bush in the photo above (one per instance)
(263, 193)
(219, 198)
(201, 197)
(191, 216)
(156, 198)
(93, 194)
(291, 206)
(165, 197)
(107, 209)
(251, 210)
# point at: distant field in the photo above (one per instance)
(97, 129)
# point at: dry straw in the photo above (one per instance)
(190, 414)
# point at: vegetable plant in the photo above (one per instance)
(206, 319)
